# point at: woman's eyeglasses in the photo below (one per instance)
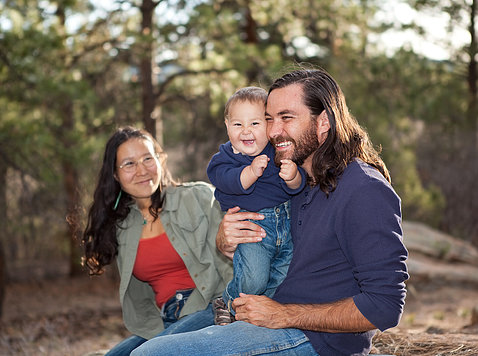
(130, 166)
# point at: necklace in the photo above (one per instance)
(149, 219)
(146, 221)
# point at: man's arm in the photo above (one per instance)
(340, 316)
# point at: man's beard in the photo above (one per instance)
(306, 145)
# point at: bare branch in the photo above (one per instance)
(185, 72)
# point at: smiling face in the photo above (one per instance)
(142, 181)
(295, 134)
(246, 127)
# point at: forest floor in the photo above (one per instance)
(64, 316)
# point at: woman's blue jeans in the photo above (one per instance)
(260, 267)
(172, 324)
(238, 338)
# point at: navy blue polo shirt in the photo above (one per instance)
(348, 244)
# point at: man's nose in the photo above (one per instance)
(274, 128)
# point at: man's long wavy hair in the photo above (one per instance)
(346, 139)
(99, 238)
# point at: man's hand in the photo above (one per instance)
(260, 310)
(339, 316)
(235, 229)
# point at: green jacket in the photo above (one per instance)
(191, 217)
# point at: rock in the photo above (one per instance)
(424, 267)
(436, 255)
(430, 242)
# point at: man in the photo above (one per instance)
(347, 275)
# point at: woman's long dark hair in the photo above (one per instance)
(99, 237)
(346, 139)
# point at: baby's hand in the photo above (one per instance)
(259, 164)
(288, 170)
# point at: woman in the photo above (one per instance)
(163, 237)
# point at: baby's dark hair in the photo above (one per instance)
(250, 94)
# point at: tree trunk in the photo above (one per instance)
(70, 174)
(472, 71)
(70, 184)
(146, 64)
(250, 27)
(471, 129)
(3, 231)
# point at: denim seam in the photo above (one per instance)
(275, 348)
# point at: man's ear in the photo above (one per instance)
(323, 126)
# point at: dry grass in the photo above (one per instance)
(405, 344)
(61, 317)
(76, 316)
(74, 333)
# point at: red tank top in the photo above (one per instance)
(158, 264)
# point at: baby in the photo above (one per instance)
(244, 174)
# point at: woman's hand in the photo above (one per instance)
(235, 229)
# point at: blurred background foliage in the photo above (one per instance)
(71, 71)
